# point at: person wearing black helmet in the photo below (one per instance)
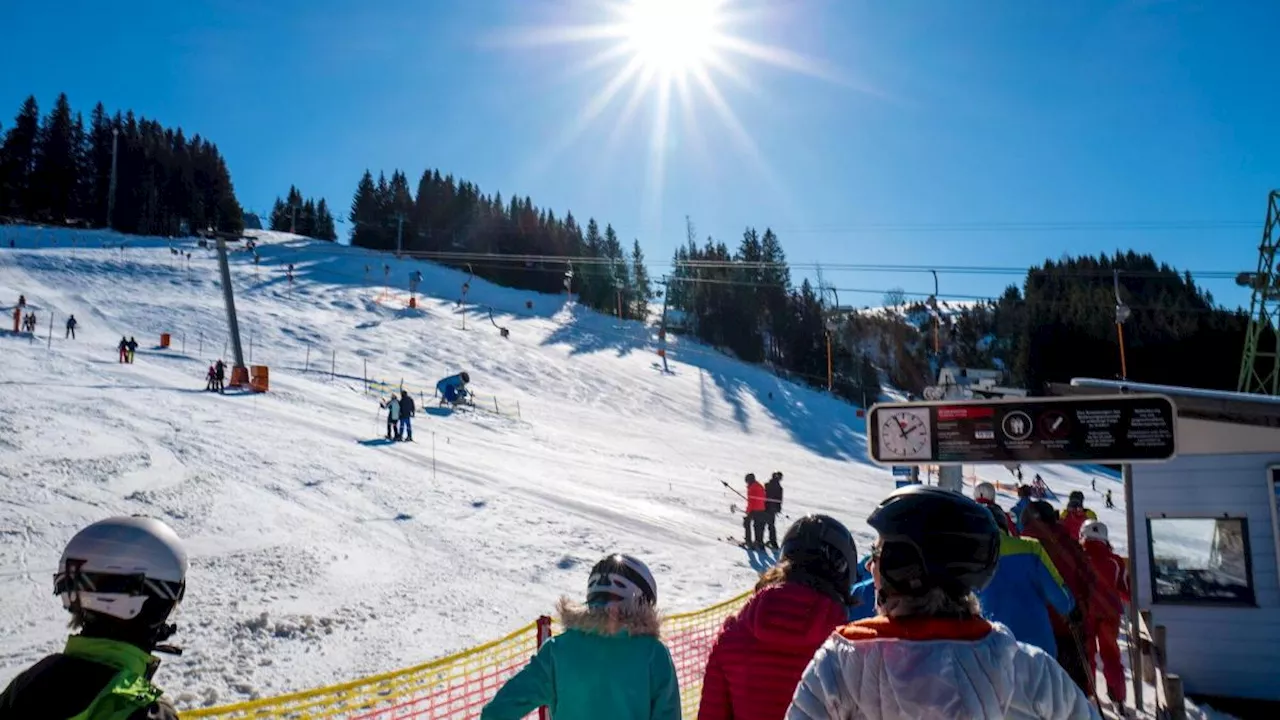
(105, 670)
(929, 653)
(608, 662)
(760, 653)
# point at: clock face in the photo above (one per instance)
(904, 433)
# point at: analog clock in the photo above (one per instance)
(904, 434)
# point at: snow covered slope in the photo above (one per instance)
(320, 552)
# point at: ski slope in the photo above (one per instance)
(321, 553)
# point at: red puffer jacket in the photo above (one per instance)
(760, 655)
(755, 497)
(1111, 590)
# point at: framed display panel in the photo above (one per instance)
(1200, 560)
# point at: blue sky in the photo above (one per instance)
(987, 133)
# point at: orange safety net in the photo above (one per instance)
(458, 686)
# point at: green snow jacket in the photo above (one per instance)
(92, 679)
(608, 663)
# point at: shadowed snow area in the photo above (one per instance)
(321, 552)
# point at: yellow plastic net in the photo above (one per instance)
(458, 686)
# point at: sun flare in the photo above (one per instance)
(672, 36)
(677, 61)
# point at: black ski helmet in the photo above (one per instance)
(934, 538)
(1075, 499)
(825, 547)
(621, 578)
(466, 379)
(750, 478)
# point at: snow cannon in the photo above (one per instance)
(453, 389)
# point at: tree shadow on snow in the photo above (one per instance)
(825, 425)
(587, 331)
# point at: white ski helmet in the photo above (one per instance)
(984, 492)
(619, 579)
(1094, 530)
(127, 568)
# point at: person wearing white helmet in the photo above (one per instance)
(1102, 621)
(985, 493)
(608, 663)
(120, 579)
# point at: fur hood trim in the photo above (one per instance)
(635, 618)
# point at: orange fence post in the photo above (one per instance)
(544, 634)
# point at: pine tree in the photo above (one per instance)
(324, 222)
(99, 161)
(20, 150)
(365, 213)
(642, 291)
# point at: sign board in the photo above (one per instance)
(902, 471)
(898, 484)
(1094, 429)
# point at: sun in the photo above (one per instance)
(677, 61)
(672, 37)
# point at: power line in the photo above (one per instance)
(585, 261)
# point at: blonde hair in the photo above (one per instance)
(934, 603)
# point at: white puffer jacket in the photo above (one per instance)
(878, 676)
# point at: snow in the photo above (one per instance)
(321, 553)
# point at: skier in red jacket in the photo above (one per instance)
(761, 653)
(1106, 605)
(756, 517)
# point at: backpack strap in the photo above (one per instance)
(125, 695)
(130, 689)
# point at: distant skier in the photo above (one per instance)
(220, 370)
(772, 507)
(123, 347)
(22, 301)
(407, 411)
(453, 389)
(392, 405)
(71, 327)
(1110, 503)
(211, 379)
(1020, 507)
(133, 348)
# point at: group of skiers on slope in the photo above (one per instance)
(803, 647)
(764, 504)
(400, 412)
(127, 348)
(401, 409)
(923, 649)
(28, 320)
(216, 377)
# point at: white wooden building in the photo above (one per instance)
(1206, 531)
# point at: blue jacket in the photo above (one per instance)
(595, 669)
(1025, 586)
(865, 595)
(1016, 511)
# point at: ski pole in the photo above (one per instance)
(734, 489)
